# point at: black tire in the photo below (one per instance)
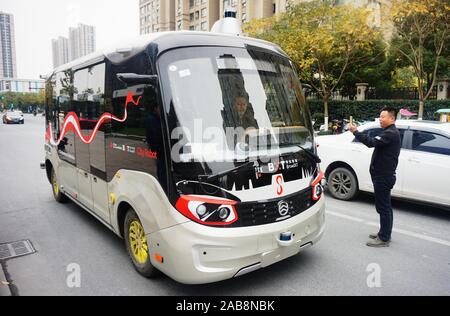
(342, 184)
(144, 268)
(59, 196)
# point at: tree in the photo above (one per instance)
(22, 101)
(421, 35)
(324, 40)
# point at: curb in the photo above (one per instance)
(4, 288)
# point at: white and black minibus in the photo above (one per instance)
(196, 148)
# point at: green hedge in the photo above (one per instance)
(370, 109)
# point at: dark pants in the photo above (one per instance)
(383, 186)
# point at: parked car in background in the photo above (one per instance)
(13, 117)
(423, 172)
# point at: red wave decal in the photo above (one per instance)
(72, 124)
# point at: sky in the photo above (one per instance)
(37, 22)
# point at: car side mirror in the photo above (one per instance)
(131, 79)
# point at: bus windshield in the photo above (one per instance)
(231, 104)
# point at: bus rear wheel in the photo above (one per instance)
(57, 194)
(137, 246)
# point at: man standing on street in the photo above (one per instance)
(383, 171)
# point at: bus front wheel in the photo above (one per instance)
(137, 246)
(57, 194)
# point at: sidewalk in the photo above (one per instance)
(4, 288)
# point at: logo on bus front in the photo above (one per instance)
(283, 208)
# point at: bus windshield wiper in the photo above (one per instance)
(313, 156)
(224, 173)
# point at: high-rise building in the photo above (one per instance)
(196, 15)
(157, 15)
(248, 10)
(81, 41)
(8, 68)
(60, 49)
(200, 15)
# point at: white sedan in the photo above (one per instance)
(423, 173)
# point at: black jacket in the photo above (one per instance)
(387, 149)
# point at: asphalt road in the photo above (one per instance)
(417, 263)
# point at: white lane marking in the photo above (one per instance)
(351, 218)
(396, 230)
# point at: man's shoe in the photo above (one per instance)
(373, 236)
(377, 242)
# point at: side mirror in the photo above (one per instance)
(134, 79)
(306, 88)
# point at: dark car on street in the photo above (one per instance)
(13, 117)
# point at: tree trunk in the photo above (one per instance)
(421, 107)
(325, 104)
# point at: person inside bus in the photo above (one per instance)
(243, 114)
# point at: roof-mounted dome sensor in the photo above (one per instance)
(229, 24)
(230, 13)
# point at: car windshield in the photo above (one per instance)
(15, 113)
(228, 104)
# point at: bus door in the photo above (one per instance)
(66, 148)
(96, 79)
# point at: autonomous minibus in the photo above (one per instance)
(196, 148)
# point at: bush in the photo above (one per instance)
(318, 117)
(370, 109)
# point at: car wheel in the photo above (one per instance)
(342, 184)
(137, 246)
(57, 194)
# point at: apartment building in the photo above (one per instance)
(82, 41)
(60, 50)
(8, 66)
(196, 15)
(248, 10)
(156, 16)
(200, 15)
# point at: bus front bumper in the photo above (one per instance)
(196, 254)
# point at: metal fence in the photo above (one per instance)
(375, 94)
(337, 95)
(397, 94)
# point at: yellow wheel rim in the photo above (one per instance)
(138, 242)
(55, 185)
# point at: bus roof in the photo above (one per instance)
(164, 41)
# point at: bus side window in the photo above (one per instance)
(64, 91)
(95, 109)
(131, 144)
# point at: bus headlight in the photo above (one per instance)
(201, 210)
(224, 213)
(208, 210)
(317, 188)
